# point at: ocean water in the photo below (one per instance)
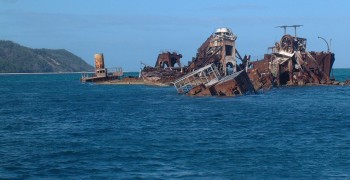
(54, 127)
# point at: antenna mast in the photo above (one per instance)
(285, 29)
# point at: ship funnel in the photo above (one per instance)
(99, 61)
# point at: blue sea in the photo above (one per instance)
(54, 127)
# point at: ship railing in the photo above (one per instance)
(85, 75)
(207, 76)
(115, 71)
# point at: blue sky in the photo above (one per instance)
(128, 32)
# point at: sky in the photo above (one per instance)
(128, 32)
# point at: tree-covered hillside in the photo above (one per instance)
(15, 58)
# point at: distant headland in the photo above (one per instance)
(15, 58)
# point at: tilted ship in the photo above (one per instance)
(215, 71)
(290, 63)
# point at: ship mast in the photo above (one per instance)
(286, 26)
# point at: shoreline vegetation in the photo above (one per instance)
(15, 58)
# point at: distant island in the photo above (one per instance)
(15, 58)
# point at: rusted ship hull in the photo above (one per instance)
(236, 84)
(219, 49)
(164, 72)
(124, 81)
(302, 68)
(99, 79)
(160, 76)
(102, 74)
(291, 64)
(207, 81)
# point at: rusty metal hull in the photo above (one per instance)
(102, 74)
(207, 81)
(236, 84)
(168, 59)
(99, 79)
(160, 76)
(219, 49)
(233, 85)
(300, 69)
(214, 71)
(164, 72)
(291, 64)
(124, 81)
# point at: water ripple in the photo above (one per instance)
(52, 126)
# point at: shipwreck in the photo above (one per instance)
(102, 74)
(166, 70)
(219, 49)
(215, 71)
(288, 64)
(291, 64)
(208, 81)
(219, 69)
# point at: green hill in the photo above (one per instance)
(15, 58)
